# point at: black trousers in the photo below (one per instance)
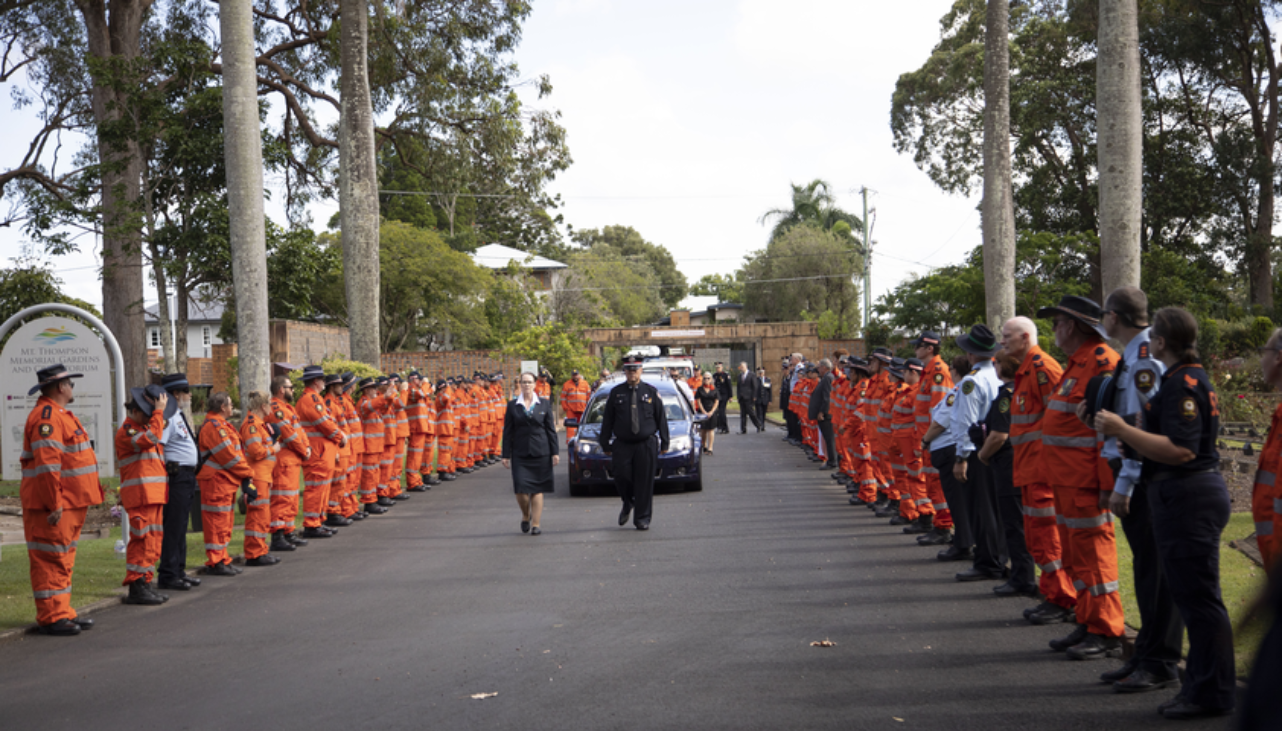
(790, 419)
(973, 507)
(760, 410)
(1010, 511)
(721, 413)
(1189, 514)
(825, 431)
(1262, 706)
(1161, 637)
(634, 465)
(173, 546)
(748, 410)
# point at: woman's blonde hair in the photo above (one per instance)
(257, 400)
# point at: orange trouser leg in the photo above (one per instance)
(216, 521)
(445, 454)
(1092, 560)
(337, 486)
(414, 460)
(866, 476)
(935, 491)
(51, 551)
(1042, 535)
(385, 463)
(909, 448)
(146, 533)
(258, 518)
(398, 466)
(317, 475)
(1262, 512)
(846, 452)
(463, 449)
(899, 491)
(352, 495)
(284, 495)
(370, 472)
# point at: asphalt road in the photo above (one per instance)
(704, 622)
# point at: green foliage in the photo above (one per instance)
(725, 287)
(813, 204)
(298, 264)
(806, 269)
(625, 243)
(28, 283)
(512, 305)
(233, 389)
(606, 287)
(1239, 339)
(950, 299)
(556, 347)
(878, 334)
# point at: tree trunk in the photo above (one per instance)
(1259, 246)
(114, 35)
(162, 281)
(1120, 137)
(182, 302)
(358, 186)
(997, 210)
(244, 159)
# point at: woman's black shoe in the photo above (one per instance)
(525, 526)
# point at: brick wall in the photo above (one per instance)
(304, 343)
(440, 364)
(221, 375)
(854, 347)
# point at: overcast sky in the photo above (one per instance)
(688, 120)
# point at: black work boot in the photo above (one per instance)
(140, 594)
(280, 543)
(923, 524)
(891, 508)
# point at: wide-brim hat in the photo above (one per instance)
(333, 379)
(913, 364)
(367, 382)
(979, 341)
(883, 354)
(414, 374)
(175, 382)
(52, 374)
(312, 372)
(858, 364)
(896, 367)
(1083, 309)
(349, 381)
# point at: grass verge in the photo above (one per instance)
(1241, 582)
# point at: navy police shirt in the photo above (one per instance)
(1186, 411)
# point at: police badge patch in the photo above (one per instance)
(279, 414)
(1042, 378)
(1189, 407)
(131, 431)
(46, 430)
(1003, 406)
(939, 378)
(951, 398)
(968, 387)
(1144, 380)
(222, 433)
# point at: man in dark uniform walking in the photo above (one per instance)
(633, 418)
(721, 380)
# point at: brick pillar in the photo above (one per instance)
(224, 376)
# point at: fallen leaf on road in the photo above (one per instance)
(482, 696)
(823, 643)
(897, 718)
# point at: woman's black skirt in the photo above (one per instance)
(532, 475)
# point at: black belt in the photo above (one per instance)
(1166, 475)
(175, 467)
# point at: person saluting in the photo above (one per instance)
(633, 418)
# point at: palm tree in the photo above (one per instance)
(813, 204)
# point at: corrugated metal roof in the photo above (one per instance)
(498, 256)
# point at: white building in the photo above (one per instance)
(203, 321)
(546, 272)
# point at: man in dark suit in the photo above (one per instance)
(764, 396)
(721, 380)
(821, 412)
(747, 386)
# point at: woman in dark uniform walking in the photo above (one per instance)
(1190, 505)
(530, 451)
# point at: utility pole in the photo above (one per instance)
(867, 264)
